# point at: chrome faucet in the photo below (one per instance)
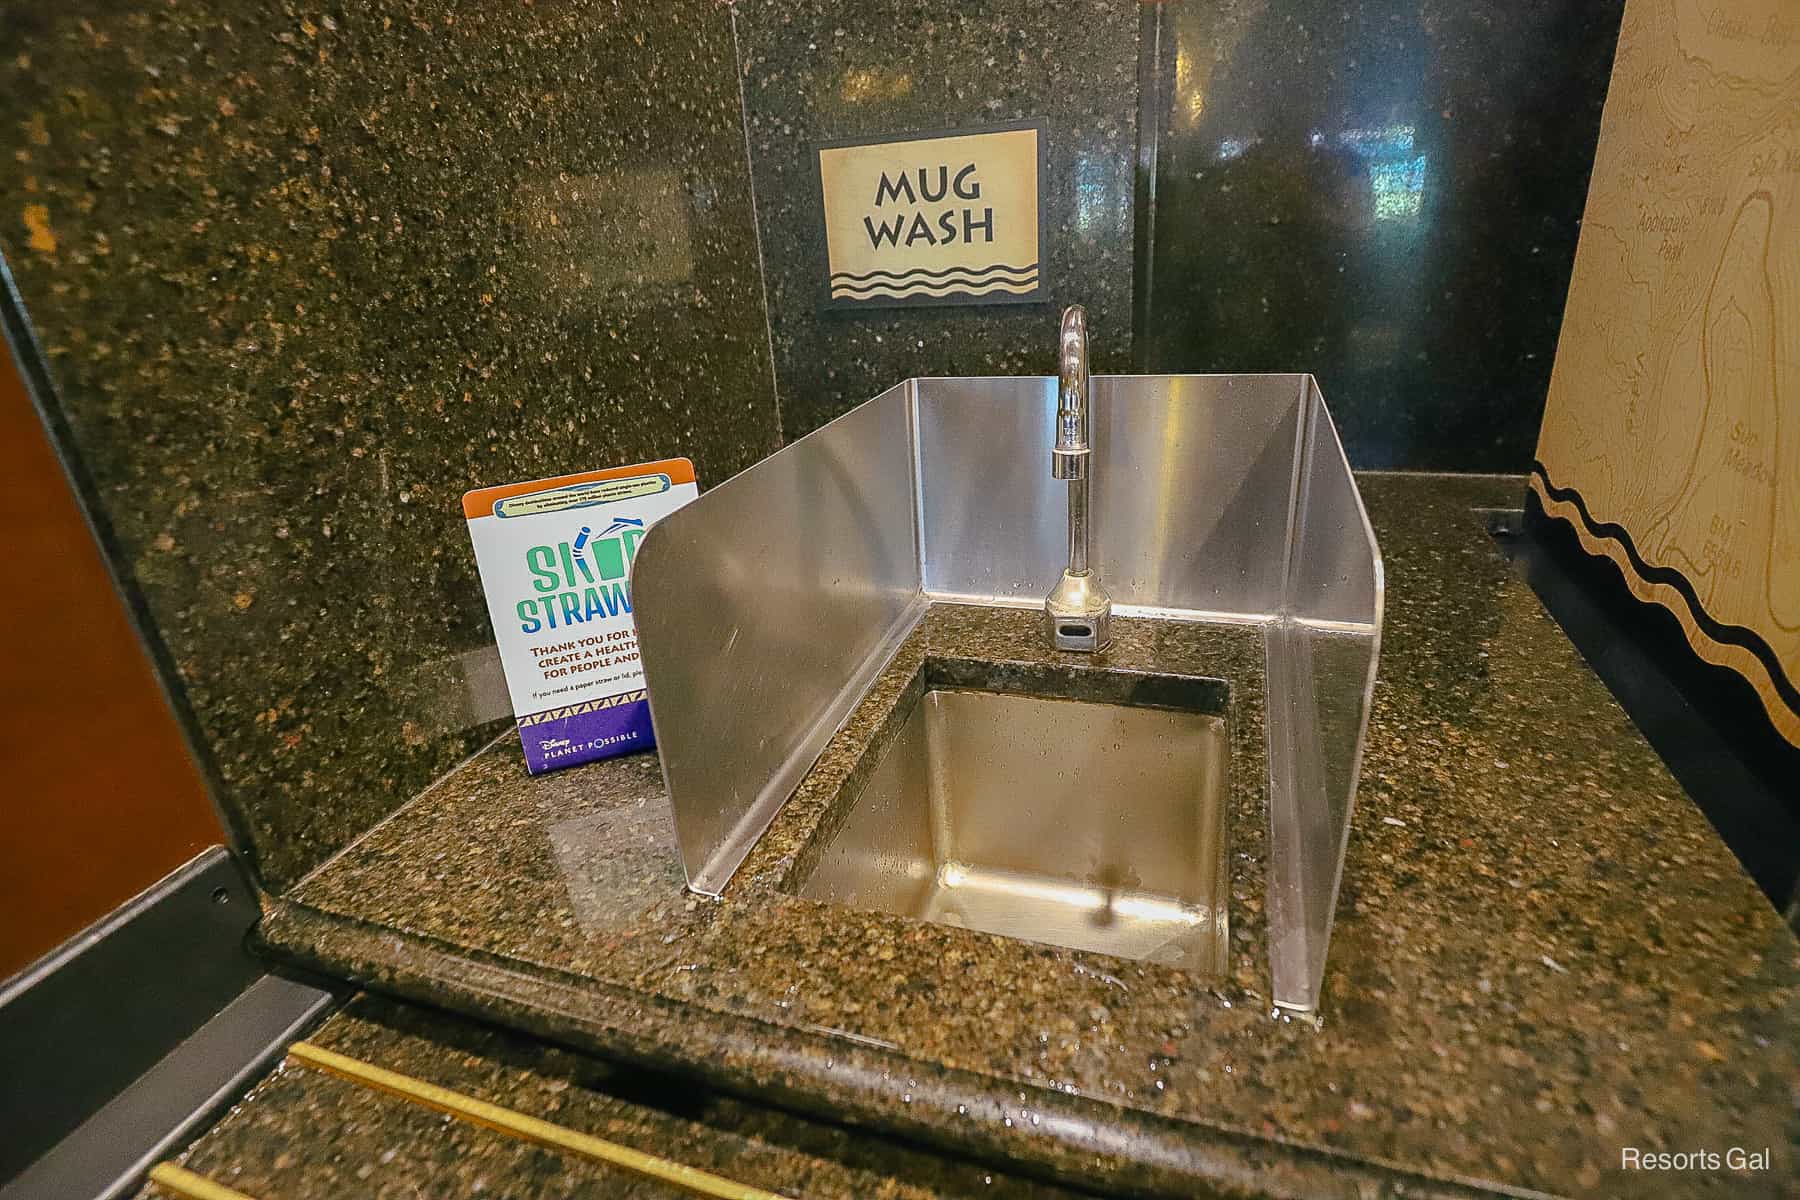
(1078, 608)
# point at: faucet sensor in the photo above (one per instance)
(1078, 609)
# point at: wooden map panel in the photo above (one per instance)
(1671, 437)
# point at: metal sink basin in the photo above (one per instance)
(1096, 826)
(769, 606)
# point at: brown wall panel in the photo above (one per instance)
(99, 796)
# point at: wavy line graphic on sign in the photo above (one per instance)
(922, 273)
(1023, 288)
(922, 282)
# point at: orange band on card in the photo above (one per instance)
(480, 502)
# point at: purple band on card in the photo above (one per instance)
(583, 736)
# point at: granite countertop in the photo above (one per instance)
(1542, 951)
(301, 1133)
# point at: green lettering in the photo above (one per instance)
(631, 538)
(542, 561)
(609, 557)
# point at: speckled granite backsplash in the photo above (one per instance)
(817, 70)
(302, 279)
(1385, 193)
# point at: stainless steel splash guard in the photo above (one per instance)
(766, 607)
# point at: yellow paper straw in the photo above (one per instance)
(190, 1186)
(517, 1124)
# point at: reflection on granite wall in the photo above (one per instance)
(1384, 193)
(301, 280)
(815, 70)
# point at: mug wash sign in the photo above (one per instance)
(555, 557)
(946, 218)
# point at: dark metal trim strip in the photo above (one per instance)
(108, 1154)
(78, 1026)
